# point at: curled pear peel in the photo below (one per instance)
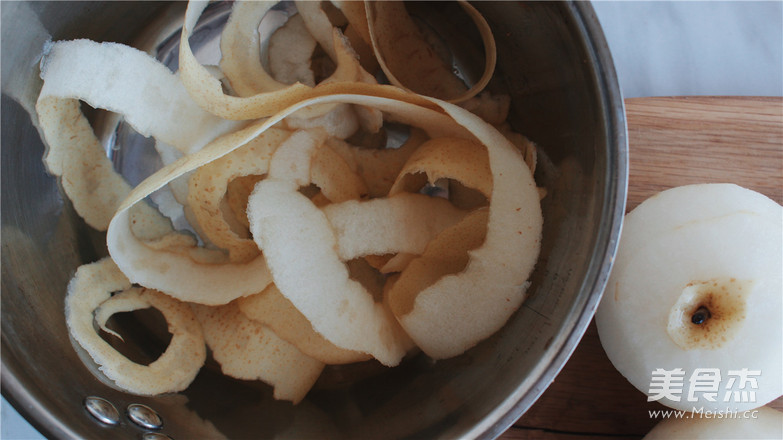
(249, 350)
(309, 188)
(152, 100)
(275, 311)
(399, 44)
(90, 302)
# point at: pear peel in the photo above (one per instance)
(216, 278)
(89, 301)
(697, 284)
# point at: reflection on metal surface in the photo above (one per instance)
(155, 436)
(144, 416)
(102, 410)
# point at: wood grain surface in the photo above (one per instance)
(673, 141)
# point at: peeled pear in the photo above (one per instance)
(696, 291)
(762, 423)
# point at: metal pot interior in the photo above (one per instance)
(552, 60)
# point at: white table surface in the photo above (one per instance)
(659, 48)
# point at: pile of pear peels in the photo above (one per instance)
(311, 239)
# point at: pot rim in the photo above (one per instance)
(602, 258)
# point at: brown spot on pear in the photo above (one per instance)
(708, 313)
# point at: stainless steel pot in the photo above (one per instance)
(553, 61)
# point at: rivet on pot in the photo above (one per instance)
(102, 410)
(144, 416)
(155, 436)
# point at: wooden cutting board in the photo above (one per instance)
(673, 141)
